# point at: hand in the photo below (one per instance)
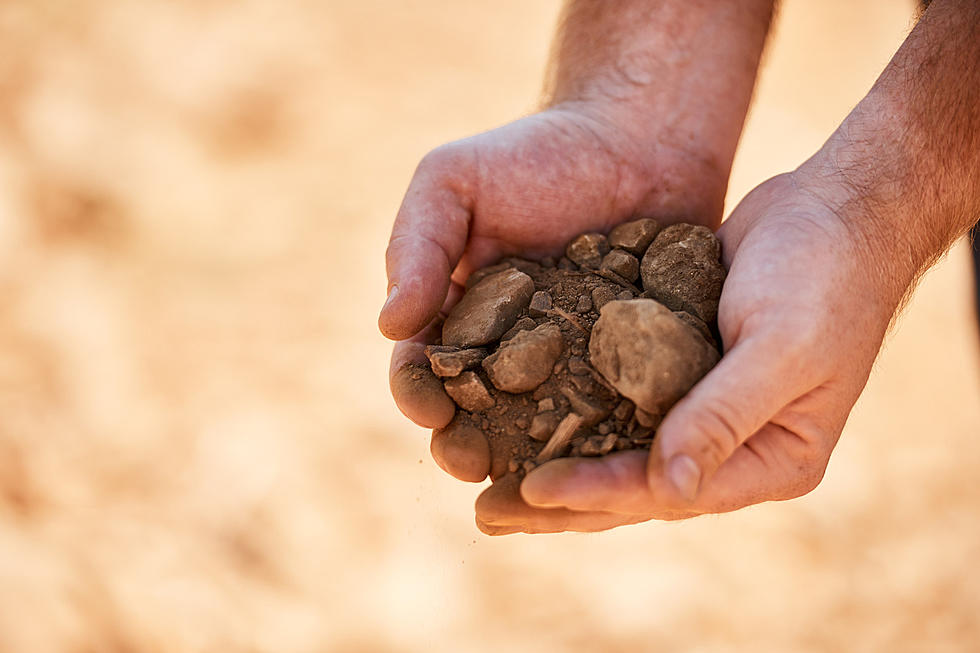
(526, 188)
(802, 316)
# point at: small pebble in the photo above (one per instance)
(584, 304)
(587, 250)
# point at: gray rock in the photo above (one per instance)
(448, 362)
(587, 250)
(648, 354)
(469, 393)
(488, 309)
(584, 304)
(622, 263)
(525, 362)
(540, 304)
(634, 236)
(681, 270)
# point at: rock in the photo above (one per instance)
(543, 425)
(461, 450)
(634, 236)
(523, 324)
(602, 295)
(587, 250)
(483, 273)
(540, 304)
(525, 362)
(584, 304)
(577, 366)
(701, 327)
(469, 393)
(546, 404)
(648, 354)
(622, 263)
(589, 408)
(565, 264)
(625, 294)
(682, 271)
(447, 362)
(624, 410)
(488, 309)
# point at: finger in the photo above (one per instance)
(774, 464)
(752, 382)
(500, 510)
(616, 483)
(417, 392)
(461, 450)
(426, 243)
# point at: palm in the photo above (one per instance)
(540, 181)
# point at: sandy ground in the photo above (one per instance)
(197, 447)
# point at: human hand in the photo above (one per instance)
(802, 315)
(526, 188)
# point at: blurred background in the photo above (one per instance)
(197, 447)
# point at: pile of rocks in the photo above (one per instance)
(570, 356)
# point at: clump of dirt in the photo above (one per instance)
(580, 356)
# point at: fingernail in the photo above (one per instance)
(685, 474)
(391, 295)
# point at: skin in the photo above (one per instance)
(820, 261)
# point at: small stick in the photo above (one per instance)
(563, 433)
(569, 317)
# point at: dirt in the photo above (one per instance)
(573, 357)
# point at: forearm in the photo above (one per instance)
(904, 167)
(677, 75)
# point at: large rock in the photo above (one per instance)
(525, 362)
(682, 270)
(488, 309)
(648, 354)
(634, 236)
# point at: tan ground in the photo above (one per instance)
(197, 448)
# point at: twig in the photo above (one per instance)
(563, 433)
(568, 316)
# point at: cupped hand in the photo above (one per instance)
(802, 316)
(523, 189)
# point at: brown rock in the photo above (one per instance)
(634, 236)
(601, 296)
(577, 366)
(447, 362)
(488, 309)
(682, 271)
(625, 294)
(523, 324)
(540, 304)
(648, 354)
(461, 450)
(589, 408)
(546, 404)
(525, 362)
(622, 263)
(587, 250)
(584, 304)
(701, 327)
(543, 425)
(469, 393)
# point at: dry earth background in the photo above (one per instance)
(197, 447)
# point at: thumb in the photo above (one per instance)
(752, 382)
(426, 243)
